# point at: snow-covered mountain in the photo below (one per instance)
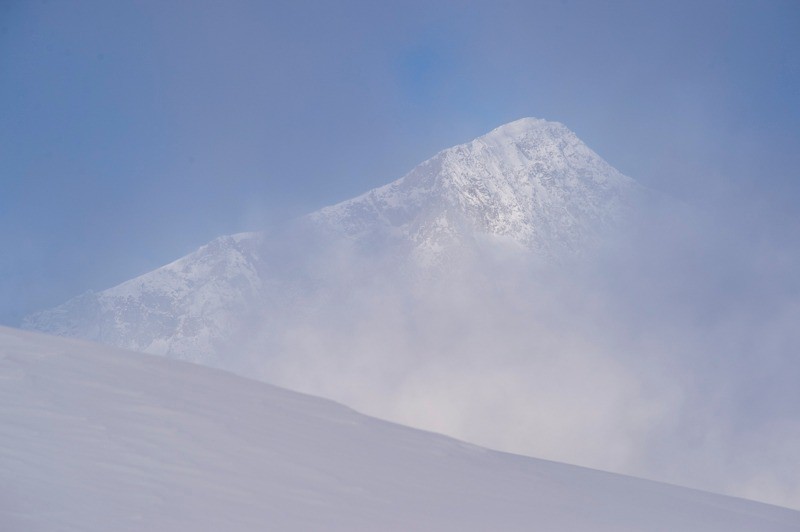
(185, 309)
(531, 185)
(531, 182)
(94, 438)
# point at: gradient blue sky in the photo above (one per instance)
(133, 132)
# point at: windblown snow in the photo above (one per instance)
(94, 438)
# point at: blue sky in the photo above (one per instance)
(133, 132)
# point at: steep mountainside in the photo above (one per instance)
(97, 439)
(532, 182)
(184, 309)
(531, 185)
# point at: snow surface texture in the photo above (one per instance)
(530, 184)
(94, 439)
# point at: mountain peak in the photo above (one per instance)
(531, 181)
(529, 185)
(533, 138)
(523, 126)
(526, 131)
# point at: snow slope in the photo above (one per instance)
(97, 439)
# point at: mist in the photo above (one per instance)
(667, 353)
(138, 131)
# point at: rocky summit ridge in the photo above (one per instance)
(531, 182)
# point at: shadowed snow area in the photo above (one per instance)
(95, 438)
